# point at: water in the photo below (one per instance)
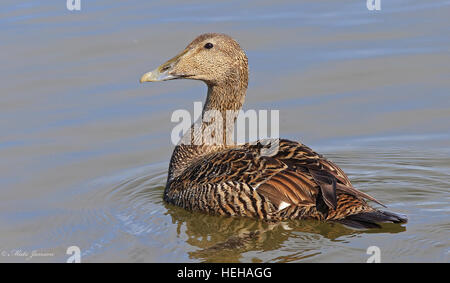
(84, 148)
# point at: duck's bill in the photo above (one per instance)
(165, 71)
(157, 76)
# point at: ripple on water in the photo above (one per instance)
(123, 217)
(112, 208)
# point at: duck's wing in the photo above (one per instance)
(316, 176)
(295, 175)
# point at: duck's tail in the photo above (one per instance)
(372, 219)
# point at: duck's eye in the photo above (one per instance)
(209, 45)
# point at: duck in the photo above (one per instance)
(237, 180)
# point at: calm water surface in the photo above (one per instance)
(84, 148)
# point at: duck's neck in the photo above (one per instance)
(223, 97)
(224, 102)
(222, 105)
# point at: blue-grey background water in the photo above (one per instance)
(84, 148)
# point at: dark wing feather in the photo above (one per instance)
(327, 184)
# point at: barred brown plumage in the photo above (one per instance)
(237, 180)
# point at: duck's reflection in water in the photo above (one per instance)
(226, 239)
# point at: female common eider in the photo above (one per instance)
(237, 180)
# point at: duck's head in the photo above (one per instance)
(216, 59)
